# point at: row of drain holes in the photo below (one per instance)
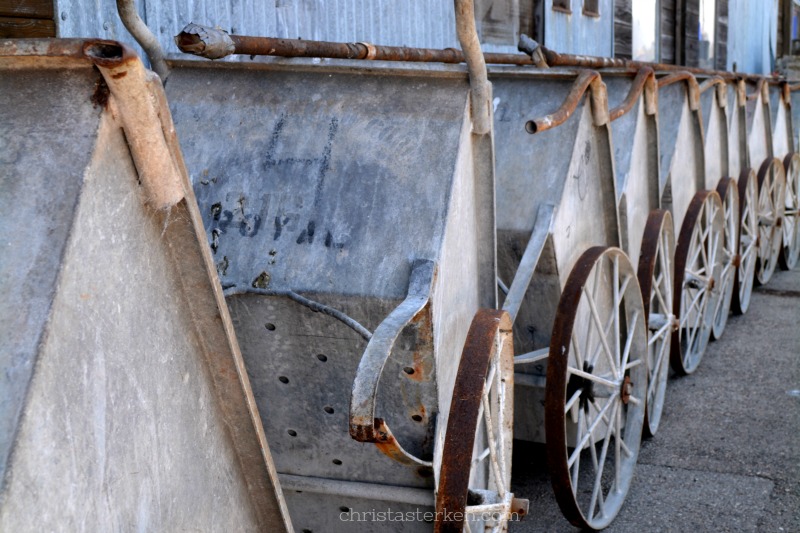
(328, 409)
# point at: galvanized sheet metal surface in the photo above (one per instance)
(680, 140)
(781, 120)
(635, 141)
(579, 33)
(737, 134)
(331, 179)
(752, 35)
(420, 23)
(47, 131)
(271, 158)
(759, 130)
(96, 439)
(715, 132)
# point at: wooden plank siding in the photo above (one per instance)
(669, 23)
(623, 29)
(27, 18)
(691, 23)
(721, 56)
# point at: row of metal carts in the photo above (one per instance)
(412, 290)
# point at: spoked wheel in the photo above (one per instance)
(729, 195)
(748, 241)
(771, 188)
(655, 278)
(596, 386)
(697, 271)
(790, 252)
(475, 477)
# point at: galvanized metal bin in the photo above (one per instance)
(566, 284)
(747, 183)
(783, 142)
(715, 109)
(771, 179)
(349, 210)
(647, 230)
(123, 398)
(697, 214)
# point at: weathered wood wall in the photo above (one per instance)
(623, 29)
(27, 19)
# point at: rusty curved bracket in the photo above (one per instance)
(587, 79)
(786, 93)
(128, 81)
(645, 81)
(722, 87)
(741, 93)
(710, 82)
(761, 88)
(691, 84)
(364, 426)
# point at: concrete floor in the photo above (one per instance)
(727, 454)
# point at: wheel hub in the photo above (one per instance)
(625, 390)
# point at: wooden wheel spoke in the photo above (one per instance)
(597, 489)
(603, 339)
(628, 343)
(576, 453)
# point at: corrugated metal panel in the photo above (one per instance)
(577, 33)
(423, 23)
(752, 35)
(93, 18)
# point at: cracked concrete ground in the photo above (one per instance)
(727, 454)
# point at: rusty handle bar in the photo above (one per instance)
(712, 81)
(212, 43)
(645, 81)
(760, 89)
(585, 80)
(691, 83)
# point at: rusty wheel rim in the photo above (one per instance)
(697, 270)
(771, 186)
(596, 386)
(655, 274)
(475, 477)
(790, 252)
(728, 193)
(748, 241)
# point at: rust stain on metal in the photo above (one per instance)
(625, 390)
(386, 442)
(101, 93)
(423, 350)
